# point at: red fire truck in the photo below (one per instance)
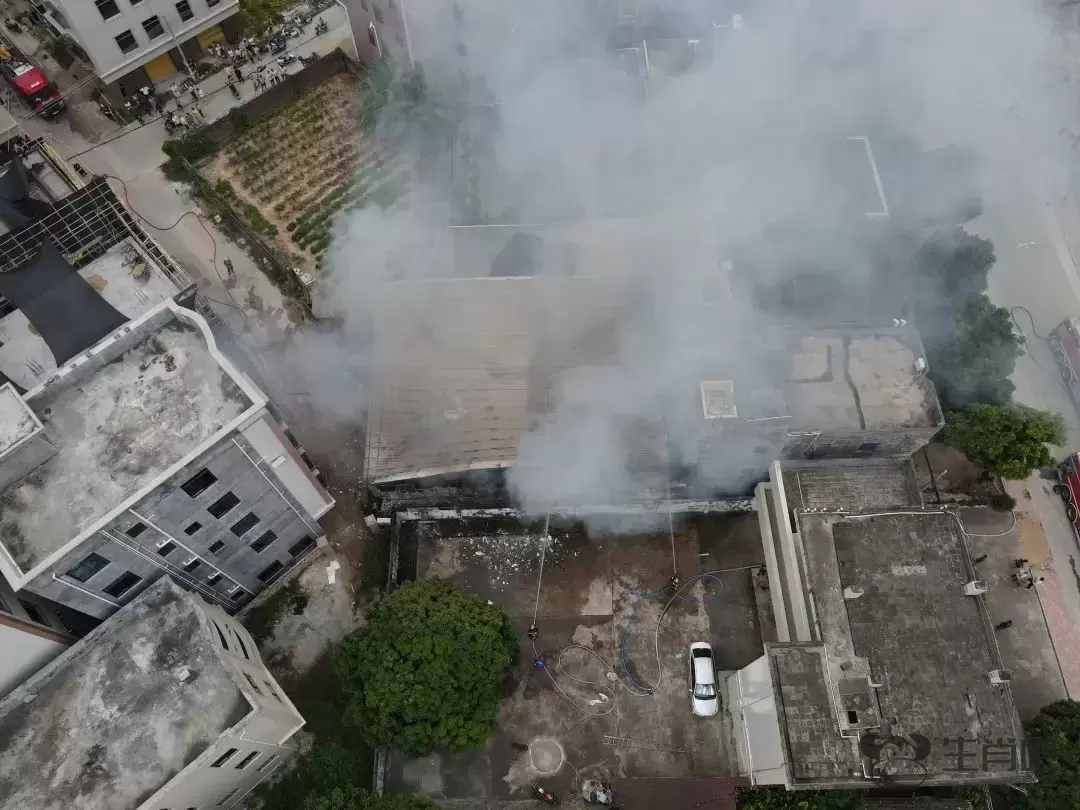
(1068, 487)
(29, 82)
(1065, 343)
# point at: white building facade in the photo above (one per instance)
(133, 42)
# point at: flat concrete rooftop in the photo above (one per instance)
(24, 356)
(859, 379)
(109, 721)
(465, 368)
(904, 652)
(115, 430)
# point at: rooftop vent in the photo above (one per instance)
(718, 399)
(999, 676)
(975, 588)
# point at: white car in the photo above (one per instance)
(704, 697)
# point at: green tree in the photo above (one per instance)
(427, 669)
(953, 266)
(352, 797)
(1010, 440)
(258, 15)
(975, 361)
(777, 798)
(1055, 737)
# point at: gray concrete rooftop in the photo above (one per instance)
(859, 380)
(907, 628)
(115, 431)
(24, 356)
(109, 722)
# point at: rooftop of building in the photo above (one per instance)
(111, 720)
(464, 366)
(904, 652)
(859, 379)
(121, 418)
(124, 276)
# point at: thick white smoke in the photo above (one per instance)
(736, 148)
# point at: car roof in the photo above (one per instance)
(703, 670)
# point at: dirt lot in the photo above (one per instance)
(601, 706)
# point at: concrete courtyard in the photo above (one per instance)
(600, 707)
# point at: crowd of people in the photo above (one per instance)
(146, 103)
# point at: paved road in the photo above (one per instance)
(1035, 226)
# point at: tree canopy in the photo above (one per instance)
(1010, 440)
(427, 670)
(351, 797)
(777, 798)
(258, 15)
(974, 364)
(1055, 739)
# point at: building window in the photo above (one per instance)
(135, 2)
(378, 13)
(254, 685)
(372, 37)
(166, 549)
(254, 755)
(228, 797)
(212, 3)
(273, 691)
(153, 27)
(108, 8)
(33, 612)
(243, 646)
(199, 483)
(216, 546)
(192, 564)
(183, 8)
(223, 504)
(459, 15)
(192, 528)
(401, 42)
(136, 530)
(461, 49)
(265, 539)
(126, 42)
(90, 565)
(271, 572)
(364, 5)
(303, 545)
(217, 763)
(236, 592)
(213, 578)
(122, 584)
(244, 524)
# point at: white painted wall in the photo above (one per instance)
(22, 653)
(758, 742)
(281, 461)
(97, 36)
